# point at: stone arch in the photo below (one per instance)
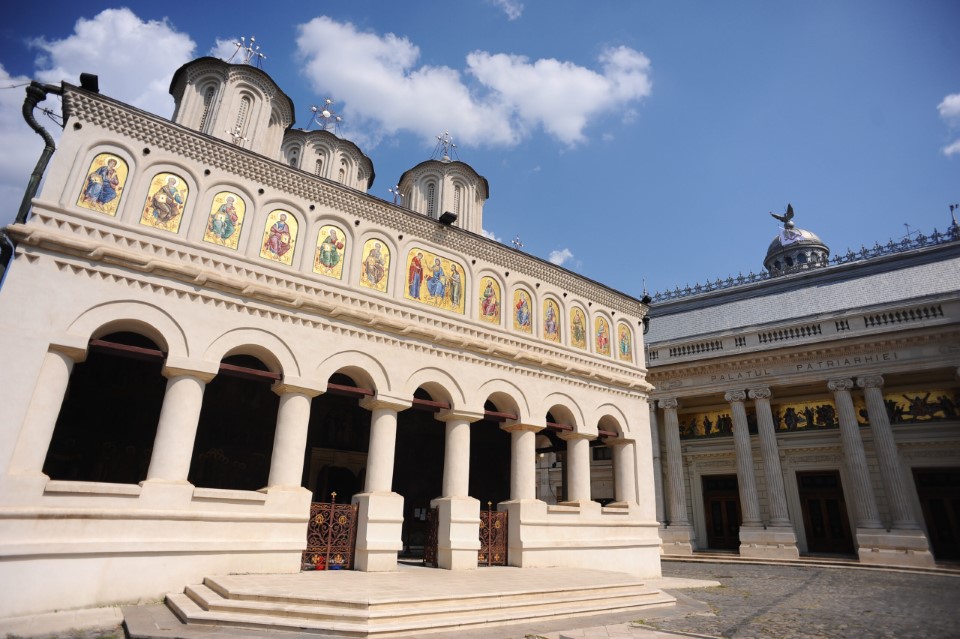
(612, 418)
(265, 346)
(137, 317)
(440, 384)
(364, 370)
(565, 409)
(507, 397)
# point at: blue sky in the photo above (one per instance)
(628, 141)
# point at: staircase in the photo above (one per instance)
(411, 601)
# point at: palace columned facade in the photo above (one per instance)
(815, 409)
(208, 325)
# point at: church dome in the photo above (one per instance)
(794, 249)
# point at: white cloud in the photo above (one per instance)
(950, 109)
(497, 100)
(560, 257)
(490, 235)
(134, 59)
(227, 50)
(950, 112)
(512, 8)
(22, 146)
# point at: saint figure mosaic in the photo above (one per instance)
(226, 218)
(551, 321)
(104, 184)
(578, 328)
(522, 311)
(624, 342)
(602, 331)
(331, 247)
(375, 270)
(489, 309)
(166, 199)
(279, 237)
(435, 280)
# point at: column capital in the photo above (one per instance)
(844, 384)
(735, 396)
(183, 367)
(71, 346)
(669, 402)
(870, 381)
(760, 393)
(296, 385)
(612, 442)
(453, 414)
(570, 435)
(385, 401)
(517, 427)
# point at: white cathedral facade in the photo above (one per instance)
(208, 325)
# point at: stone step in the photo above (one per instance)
(404, 615)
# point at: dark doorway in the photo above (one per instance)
(489, 462)
(108, 420)
(418, 471)
(721, 504)
(939, 492)
(237, 423)
(825, 519)
(338, 438)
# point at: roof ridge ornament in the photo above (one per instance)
(250, 51)
(786, 218)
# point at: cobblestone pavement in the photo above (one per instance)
(801, 602)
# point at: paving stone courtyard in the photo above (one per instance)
(799, 602)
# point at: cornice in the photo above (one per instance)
(304, 302)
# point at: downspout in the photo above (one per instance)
(36, 93)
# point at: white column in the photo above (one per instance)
(380, 511)
(177, 428)
(383, 441)
(624, 470)
(777, 495)
(290, 438)
(41, 418)
(749, 503)
(577, 463)
(677, 502)
(890, 470)
(523, 461)
(657, 465)
(865, 504)
(456, 457)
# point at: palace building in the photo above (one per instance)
(813, 409)
(210, 327)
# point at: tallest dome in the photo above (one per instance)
(794, 248)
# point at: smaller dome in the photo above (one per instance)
(795, 249)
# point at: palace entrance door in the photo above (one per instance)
(721, 503)
(939, 492)
(825, 518)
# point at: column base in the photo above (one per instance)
(379, 528)
(908, 548)
(676, 539)
(458, 535)
(772, 542)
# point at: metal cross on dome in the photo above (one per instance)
(250, 51)
(324, 116)
(444, 148)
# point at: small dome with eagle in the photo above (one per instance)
(794, 249)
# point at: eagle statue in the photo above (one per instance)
(786, 218)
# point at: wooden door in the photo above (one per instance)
(825, 519)
(721, 503)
